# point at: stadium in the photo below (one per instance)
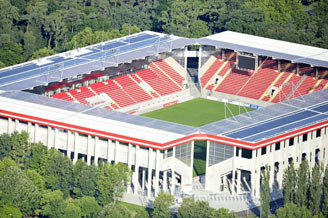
(255, 102)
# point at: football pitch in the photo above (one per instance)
(197, 112)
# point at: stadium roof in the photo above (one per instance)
(84, 60)
(274, 120)
(278, 49)
(250, 130)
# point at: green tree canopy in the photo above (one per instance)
(162, 205)
(112, 181)
(18, 190)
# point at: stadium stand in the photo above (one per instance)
(128, 89)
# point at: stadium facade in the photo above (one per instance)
(85, 103)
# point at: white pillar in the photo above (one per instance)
(165, 175)
(89, 150)
(238, 181)
(128, 190)
(199, 61)
(76, 151)
(96, 151)
(68, 139)
(157, 172)
(173, 172)
(29, 130)
(143, 171)
(115, 152)
(185, 63)
(136, 173)
(55, 137)
(9, 123)
(150, 152)
(233, 172)
(36, 128)
(16, 125)
(48, 137)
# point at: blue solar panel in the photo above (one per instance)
(10, 72)
(271, 124)
(321, 108)
(32, 70)
(139, 38)
(287, 127)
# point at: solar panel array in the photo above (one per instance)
(87, 59)
(274, 120)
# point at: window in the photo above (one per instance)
(305, 137)
(237, 151)
(263, 151)
(246, 153)
(277, 146)
(291, 141)
(318, 133)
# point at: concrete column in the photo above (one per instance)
(115, 152)
(89, 150)
(279, 65)
(157, 172)
(128, 190)
(199, 61)
(316, 72)
(271, 173)
(223, 54)
(165, 181)
(29, 130)
(55, 137)
(297, 68)
(35, 137)
(48, 137)
(149, 179)
(68, 139)
(76, 144)
(192, 160)
(136, 173)
(143, 172)
(253, 183)
(233, 172)
(96, 151)
(173, 172)
(257, 183)
(185, 63)
(16, 125)
(238, 180)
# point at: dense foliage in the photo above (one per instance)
(305, 191)
(31, 29)
(39, 182)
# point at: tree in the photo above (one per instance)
(325, 193)
(37, 179)
(55, 28)
(198, 209)
(302, 184)
(88, 205)
(315, 189)
(52, 204)
(265, 193)
(5, 164)
(10, 212)
(57, 171)
(114, 210)
(10, 52)
(37, 151)
(112, 181)
(223, 213)
(291, 210)
(162, 205)
(84, 179)
(18, 190)
(289, 183)
(72, 211)
(43, 52)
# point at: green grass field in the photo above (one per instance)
(197, 112)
